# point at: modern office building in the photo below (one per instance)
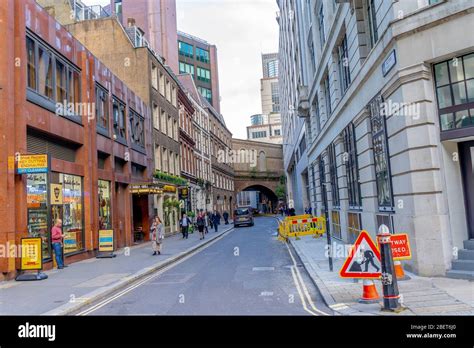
(266, 128)
(198, 58)
(270, 65)
(293, 127)
(389, 120)
(65, 103)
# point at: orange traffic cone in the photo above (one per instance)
(399, 271)
(369, 292)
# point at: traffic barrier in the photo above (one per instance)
(301, 225)
(369, 292)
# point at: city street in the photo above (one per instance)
(247, 272)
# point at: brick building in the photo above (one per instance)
(60, 100)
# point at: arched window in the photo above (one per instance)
(262, 162)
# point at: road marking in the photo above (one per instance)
(303, 301)
(148, 278)
(263, 269)
(303, 285)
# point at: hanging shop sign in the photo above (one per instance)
(106, 240)
(183, 193)
(56, 193)
(169, 188)
(31, 254)
(32, 164)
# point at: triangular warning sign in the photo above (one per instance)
(364, 259)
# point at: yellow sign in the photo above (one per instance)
(70, 242)
(56, 193)
(32, 164)
(106, 240)
(169, 188)
(31, 254)
(145, 189)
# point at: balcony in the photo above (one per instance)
(83, 12)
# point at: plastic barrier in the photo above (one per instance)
(301, 225)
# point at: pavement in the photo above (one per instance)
(67, 290)
(419, 295)
(247, 272)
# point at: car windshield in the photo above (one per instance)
(240, 212)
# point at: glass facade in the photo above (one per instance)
(186, 49)
(202, 55)
(37, 208)
(72, 215)
(105, 209)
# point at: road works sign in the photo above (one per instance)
(400, 246)
(363, 261)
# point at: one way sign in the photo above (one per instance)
(363, 261)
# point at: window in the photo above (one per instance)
(302, 145)
(203, 74)
(72, 216)
(156, 117)
(322, 35)
(168, 90)
(352, 170)
(256, 135)
(327, 95)
(45, 69)
(454, 82)
(336, 224)
(137, 128)
(275, 97)
(262, 161)
(173, 96)
(386, 220)
(53, 78)
(158, 157)
(175, 127)
(333, 175)
(165, 160)
(119, 120)
(162, 84)
(277, 132)
(343, 64)
(37, 203)
(171, 163)
(202, 55)
(169, 127)
(185, 68)
(105, 215)
(31, 57)
(163, 119)
(206, 93)
(154, 76)
(185, 49)
(102, 108)
(354, 226)
(381, 155)
(322, 183)
(372, 22)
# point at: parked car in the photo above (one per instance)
(243, 216)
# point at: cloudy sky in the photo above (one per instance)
(242, 30)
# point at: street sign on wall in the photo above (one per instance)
(400, 246)
(32, 164)
(363, 261)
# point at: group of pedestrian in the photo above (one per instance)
(285, 211)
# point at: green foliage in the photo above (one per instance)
(280, 191)
(173, 179)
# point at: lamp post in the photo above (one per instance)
(328, 228)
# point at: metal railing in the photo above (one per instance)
(83, 12)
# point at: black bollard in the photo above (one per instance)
(391, 295)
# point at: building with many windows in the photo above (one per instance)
(388, 112)
(65, 103)
(199, 59)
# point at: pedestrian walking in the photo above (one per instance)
(216, 220)
(226, 217)
(201, 223)
(57, 242)
(184, 224)
(206, 220)
(158, 235)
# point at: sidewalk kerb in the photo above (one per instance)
(104, 291)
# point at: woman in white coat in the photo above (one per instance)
(158, 235)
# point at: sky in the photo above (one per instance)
(242, 30)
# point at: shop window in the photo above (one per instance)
(37, 210)
(354, 226)
(73, 227)
(336, 224)
(105, 219)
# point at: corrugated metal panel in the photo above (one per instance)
(41, 144)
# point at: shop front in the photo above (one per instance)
(140, 210)
(56, 196)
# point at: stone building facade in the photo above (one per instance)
(385, 93)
